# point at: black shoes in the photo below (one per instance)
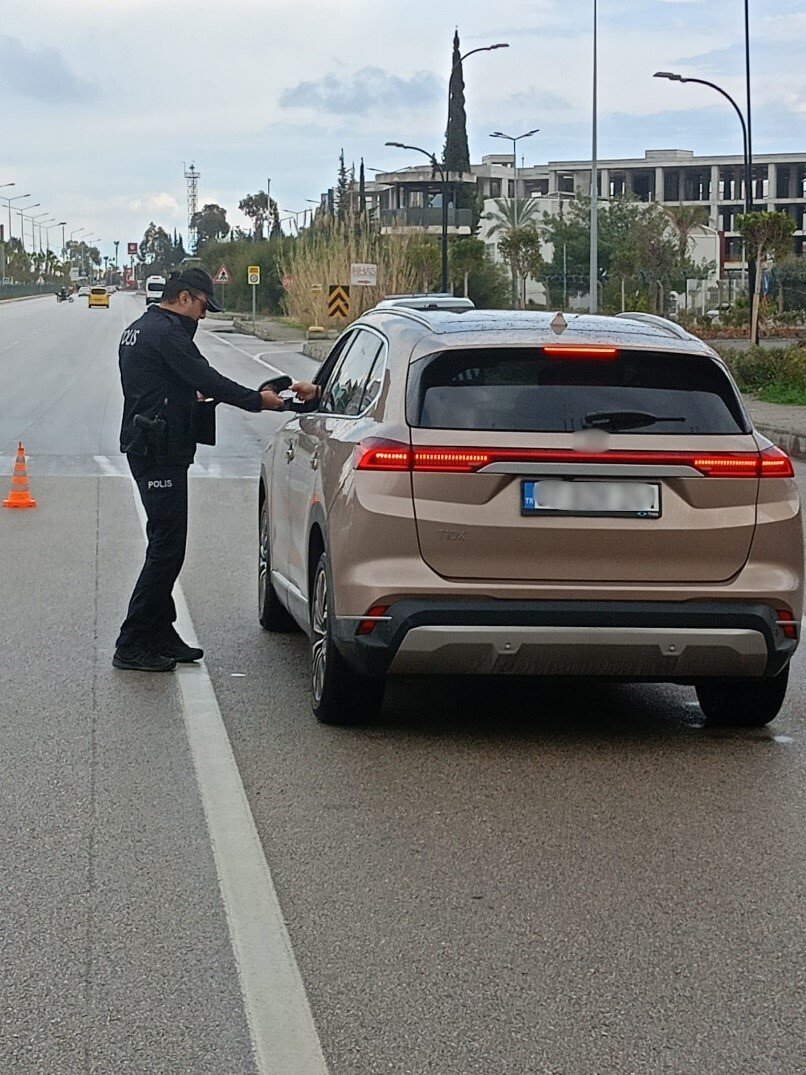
(171, 645)
(140, 659)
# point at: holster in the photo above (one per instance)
(155, 431)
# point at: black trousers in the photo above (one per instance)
(164, 492)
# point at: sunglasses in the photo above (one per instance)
(202, 299)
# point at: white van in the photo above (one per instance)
(154, 288)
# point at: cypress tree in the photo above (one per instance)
(362, 190)
(342, 188)
(457, 152)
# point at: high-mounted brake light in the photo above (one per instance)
(386, 455)
(568, 350)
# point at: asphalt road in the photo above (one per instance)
(492, 879)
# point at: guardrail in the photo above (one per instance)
(21, 291)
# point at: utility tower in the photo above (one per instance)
(192, 176)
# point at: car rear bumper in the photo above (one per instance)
(679, 641)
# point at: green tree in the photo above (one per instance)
(790, 276)
(467, 257)
(210, 224)
(521, 247)
(685, 218)
(342, 191)
(362, 192)
(456, 156)
(509, 216)
(424, 258)
(767, 235)
(259, 208)
(156, 250)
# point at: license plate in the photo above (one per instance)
(627, 500)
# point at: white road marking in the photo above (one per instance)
(284, 1035)
(255, 358)
(108, 468)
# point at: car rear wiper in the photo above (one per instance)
(624, 419)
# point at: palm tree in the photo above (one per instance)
(685, 218)
(510, 217)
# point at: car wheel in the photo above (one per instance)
(743, 703)
(338, 694)
(273, 615)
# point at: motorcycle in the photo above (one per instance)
(60, 297)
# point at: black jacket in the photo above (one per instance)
(161, 369)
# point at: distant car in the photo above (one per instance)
(155, 285)
(83, 291)
(516, 493)
(98, 296)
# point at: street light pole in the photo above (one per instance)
(8, 202)
(515, 214)
(593, 284)
(749, 153)
(748, 185)
(437, 167)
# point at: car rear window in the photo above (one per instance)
(99, 291)
(155, 287)
(524, 390)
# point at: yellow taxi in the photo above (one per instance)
(98, 296)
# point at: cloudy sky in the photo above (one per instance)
(101, 101)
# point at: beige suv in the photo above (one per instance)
(485, 492)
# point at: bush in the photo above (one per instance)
(237, 256)
(760, 367)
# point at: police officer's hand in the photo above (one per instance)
(306, 391)
(271, 401)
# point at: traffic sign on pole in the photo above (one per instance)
(253, 274)
(338, 300)
(223, 276)
(363, 274)
(132, 248)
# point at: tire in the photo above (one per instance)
(273, 615)
(743, 703)
(338, 694)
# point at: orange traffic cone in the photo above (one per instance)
(20, 496)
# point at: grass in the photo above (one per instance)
(791, 394)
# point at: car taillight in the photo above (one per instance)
(775, 463)
(377, 454)
(374, 616)
(786, 621)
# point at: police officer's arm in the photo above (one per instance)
(187, 362)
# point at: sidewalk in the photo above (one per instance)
(784, 425)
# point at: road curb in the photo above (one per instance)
(317, 349)
(793, 444)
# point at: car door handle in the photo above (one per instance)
(289, 450)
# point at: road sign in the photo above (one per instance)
(363, 274)
(253, 274)
(223, 276)
(132, 248)
(338, 301)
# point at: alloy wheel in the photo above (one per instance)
(319, 614)
(263, 554)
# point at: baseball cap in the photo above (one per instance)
(199, 280)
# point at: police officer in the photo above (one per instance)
(163, 375)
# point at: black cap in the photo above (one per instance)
(199, 280)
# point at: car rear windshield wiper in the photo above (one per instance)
(624, 419)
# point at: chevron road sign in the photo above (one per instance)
(338, 300)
